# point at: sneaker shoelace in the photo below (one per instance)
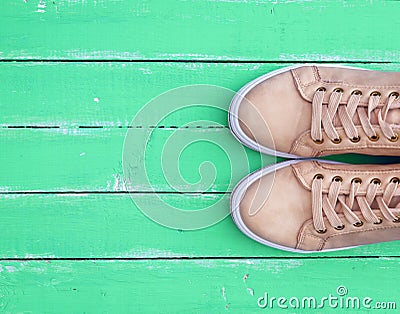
(326, 203)
(323, 115)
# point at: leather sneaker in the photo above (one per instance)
(314, 205)
(316, 110)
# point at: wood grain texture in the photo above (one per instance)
(91, 160)
(107, 225)
(192, 286)
(199, 30)
(74, 73)
(110, 94)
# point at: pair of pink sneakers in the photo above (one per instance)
(304, 112)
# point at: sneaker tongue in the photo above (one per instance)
(393, 116)
(395, 105)
(395, 203)
(396, 210)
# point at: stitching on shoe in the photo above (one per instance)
(386, 171)
(299, 174)
(304, 232)
(362, 231)
(349, 84)
(301, 142)
(297, 78)
(326, 150)
(300, 82)
(317, 75)
(359, 85)
(317, 78)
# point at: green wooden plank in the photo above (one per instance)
(199, 30)
(173, 160)
(197, 286)
(111, 94)
(91, 160)
(108, 94)
(107, 225)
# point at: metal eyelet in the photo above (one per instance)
(355, 139)
(321, 231)
(356, 180)
(337, 140)
(321, 89)
(318, 141)
(379, 221)
(375, 93)
(337, 179)
(338, 90)
(394, 94)
(395, 180)
(339, 227)
(394, 138)
(358, 224)
(318, 176)
(374, 138)
(396, 220)
(357, 92)
(376, 181)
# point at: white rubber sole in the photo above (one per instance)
(240, 190)
(241, 94)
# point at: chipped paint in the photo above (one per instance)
(145, 71)
(11, 269)
(223, 293)
(34, 256)
(119, 183)
(41, 7)
(149, 252)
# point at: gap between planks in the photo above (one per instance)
(194, 193)
(195, 61)
(167, 127)
(307, 257)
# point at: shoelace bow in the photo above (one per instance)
(328, 202)
(324, 114)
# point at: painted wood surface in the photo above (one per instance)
(196, 286)
(110, 225)
(85, 160)
(73, 75)
(199, 30)
(110, 94)
(91, 160)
